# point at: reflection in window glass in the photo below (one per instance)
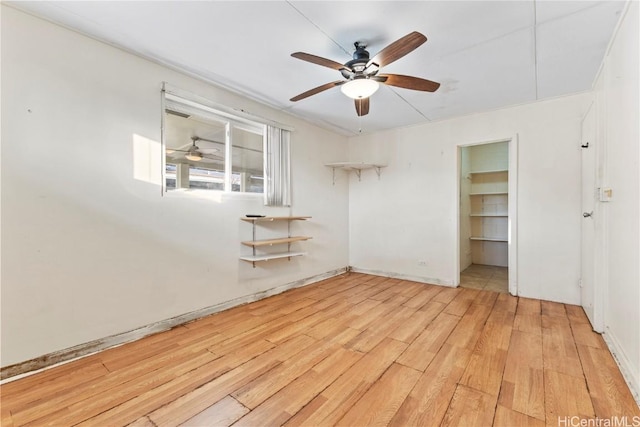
(247, 160)
(170, 175)
(206, 179)
(210, 151)
(194, 152)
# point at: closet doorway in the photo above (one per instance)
(485, 216)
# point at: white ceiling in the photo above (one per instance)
(486, 54)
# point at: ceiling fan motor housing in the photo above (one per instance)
(359, 61)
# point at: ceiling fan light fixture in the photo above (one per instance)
(194, 156)
(360, 88)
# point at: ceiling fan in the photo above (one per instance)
(195, 153)
(361, 73)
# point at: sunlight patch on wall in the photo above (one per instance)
(147, 160)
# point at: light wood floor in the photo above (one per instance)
(356, 350)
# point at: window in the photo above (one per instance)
(211, 147)
(196, 155)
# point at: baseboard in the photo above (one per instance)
(393, 275)
(82, 350)
(625, 365)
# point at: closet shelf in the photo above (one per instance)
(490, 215)
(267, 257)
(490, 239)
(357, 167)
(489, 193)
(270, 242)
(488, 171)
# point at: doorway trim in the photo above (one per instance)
(512, 248)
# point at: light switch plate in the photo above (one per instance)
(606, 194)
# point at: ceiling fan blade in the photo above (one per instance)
(398, 49)
(362, 106)
(318, 60)
(315, 90)
(409, 82)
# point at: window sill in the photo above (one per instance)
(215, 195)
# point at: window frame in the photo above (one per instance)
(208, 110)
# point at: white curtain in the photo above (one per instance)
(277, 167)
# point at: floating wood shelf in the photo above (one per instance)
(255, 243)
(490, 239)
(271, 242)
(275, 218)
(357, 167)
(267, 257)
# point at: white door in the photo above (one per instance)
(589, 193)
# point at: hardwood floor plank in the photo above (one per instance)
(428, 401)
(299, 326)
(284, 404)
(528, 322)
(364, 306)
(583, 334)
(506, 417)
(425, 295)
(380, 329)
(460, 304)
(266, 385)
(380, 311)
(354, 349)
(49, 389)
(485, 369)
(467, 331)
(330, 405)
(576, 314)
(559, 348)
(42, 377)
(522, 387)
(558, 387)
(470, 408)
(142, 422)
(446, 294)
(380, 403)
(408, 331)
(191, 403)
(425, 347)
(223, 413)
(487, 297)
(609, 394)
(549, 308)
(91, 398)
(506, 302)
(154, 397)
(528, 306)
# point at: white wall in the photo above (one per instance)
(90, 248)
(410, 213)
(617, 105)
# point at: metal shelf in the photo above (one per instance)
(357, 167)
